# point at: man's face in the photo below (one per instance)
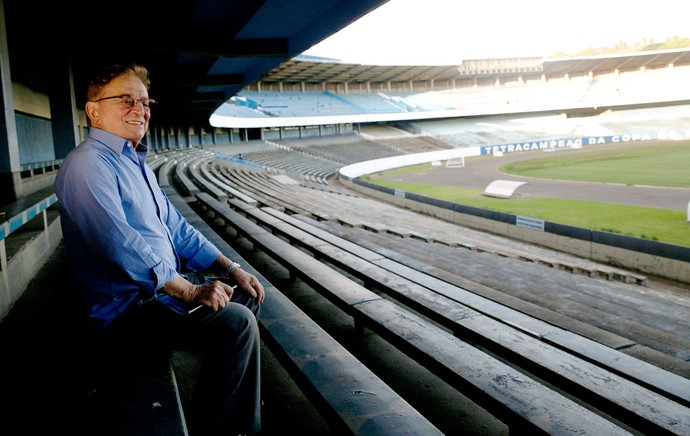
(126, 115)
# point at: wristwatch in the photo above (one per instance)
(232, 267)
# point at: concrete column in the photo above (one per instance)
(63, 107)
(10, 169)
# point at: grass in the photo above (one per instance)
(657, 165)
(665, 164)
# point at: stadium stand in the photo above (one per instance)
(307, 272)
(525, 93)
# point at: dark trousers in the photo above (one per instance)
(227, 398)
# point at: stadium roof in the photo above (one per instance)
(200, 52)
(308, 70)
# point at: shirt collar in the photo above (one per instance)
(112, 141)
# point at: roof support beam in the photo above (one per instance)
(225, 47)
(211, 80)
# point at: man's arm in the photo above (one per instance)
(89, 194)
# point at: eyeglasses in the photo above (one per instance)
(131, 102)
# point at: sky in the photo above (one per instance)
(402, 32)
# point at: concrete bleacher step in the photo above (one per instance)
(221, 189)
(262, 187)
(232, 176)
(141, 398)
(29, 231)
(18, 213)
(353, 394)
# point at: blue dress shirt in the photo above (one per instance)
(123, 237)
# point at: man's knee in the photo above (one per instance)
(239, 318)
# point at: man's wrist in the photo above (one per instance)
(232, 267)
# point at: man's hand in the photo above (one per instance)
(246, 281)
(215, 294)
(249, 283)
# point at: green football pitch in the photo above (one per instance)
(661, 164)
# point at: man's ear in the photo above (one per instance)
(91, 110)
